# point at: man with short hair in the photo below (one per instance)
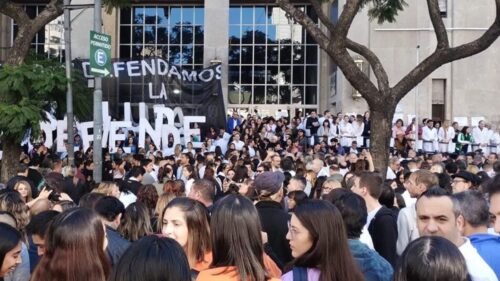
(110, 210)
(276, 163)
(418, 182)
(35, 231)
(381, 220)
(494, 195)
(149, 174)
(438, 214)
(274, 219)
(297, 183)
(204, 192)
(354, 214)
(133, 183)
(312, 124)
(481, 135)
(462, 181)
(474, 208)
(233, 122)
(429, 137)
(394, 168)
(238, 144)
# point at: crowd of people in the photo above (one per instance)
(262, 199)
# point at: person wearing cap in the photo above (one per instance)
(462, 181)
(274, 219)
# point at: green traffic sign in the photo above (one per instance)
(100, 54)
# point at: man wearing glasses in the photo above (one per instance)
(462, 181)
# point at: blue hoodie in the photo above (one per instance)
(488, 247)
(373, 266)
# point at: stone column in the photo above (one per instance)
(216, 37)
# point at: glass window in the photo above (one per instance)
(199, 16)
(199, 34)
(125, 34)
(246, 75)
(234, 54)
(234, 34)
(150, 15)
(260, 15)
(162, 15)
(234, 75)
(259, 95)
(235, 15)
(161, 34)
(138, 15)
(175, 15)
(174, 33)
(247, 15)
(272, 56)
(125, 16)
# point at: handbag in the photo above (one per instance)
(299, 274)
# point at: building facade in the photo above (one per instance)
(270, 63)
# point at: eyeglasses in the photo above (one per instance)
(259, 171)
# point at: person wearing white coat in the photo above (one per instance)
(445, 136)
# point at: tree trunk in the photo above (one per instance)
(381, 132)
(10, 158)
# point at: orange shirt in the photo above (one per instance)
(205, 264)
(228, 273)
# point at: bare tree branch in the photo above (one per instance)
(53, 9)
(437, 23)
(322, 17)
(335, 47)
(14, 11)
(440, 57)
(343, 25)
(373, 60)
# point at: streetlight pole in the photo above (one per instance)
(97, 173)
(416, 104)
(69, 90)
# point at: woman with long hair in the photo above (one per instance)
(12, 202)
(152, 258)
(190, 175)
(431, 258)
(74, 248)
(10, 249)
(238, 251)
(464, 140)
(24, 188)
(186, 221)
(176, 187)
(148, 196)
(318, 241)
(162, 202)
(136, 222)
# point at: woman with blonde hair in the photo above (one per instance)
(108, 188)
(24, 188)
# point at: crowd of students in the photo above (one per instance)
(259, 200)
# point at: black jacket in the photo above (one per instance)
(275, 223)
(117, 245)
(384, 232)
(131, 185)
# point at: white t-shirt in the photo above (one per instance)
(478, 269)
